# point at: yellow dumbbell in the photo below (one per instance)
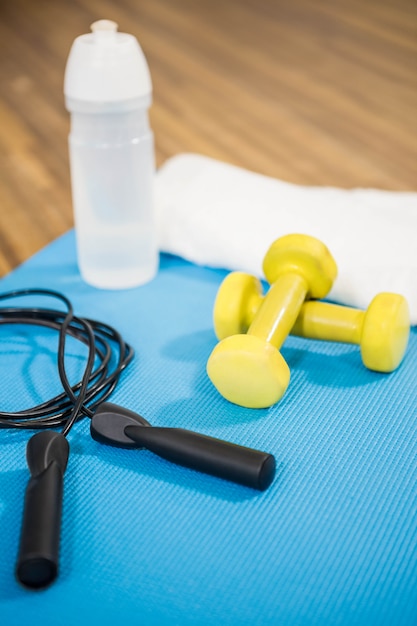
(381, 331)
(247, 369)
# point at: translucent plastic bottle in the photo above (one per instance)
(108, 92)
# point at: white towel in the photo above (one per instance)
(219, 215)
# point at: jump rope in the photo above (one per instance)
(47, 452)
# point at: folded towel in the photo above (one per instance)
(219, 215)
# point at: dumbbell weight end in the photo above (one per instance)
(248, 371)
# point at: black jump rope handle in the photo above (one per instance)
(238, 464)
(47, 456)
(116, 426)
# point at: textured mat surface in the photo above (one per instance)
(333, 540)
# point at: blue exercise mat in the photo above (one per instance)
(145, 542)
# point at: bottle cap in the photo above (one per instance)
(106, 66)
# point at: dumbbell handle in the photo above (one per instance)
(316, 320)
(330, 322)
(279, 309)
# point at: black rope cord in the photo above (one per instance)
(100, 376)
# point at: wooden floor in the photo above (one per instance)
(320, 92)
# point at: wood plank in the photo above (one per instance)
(319, 92)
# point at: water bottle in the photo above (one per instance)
(108, 92)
